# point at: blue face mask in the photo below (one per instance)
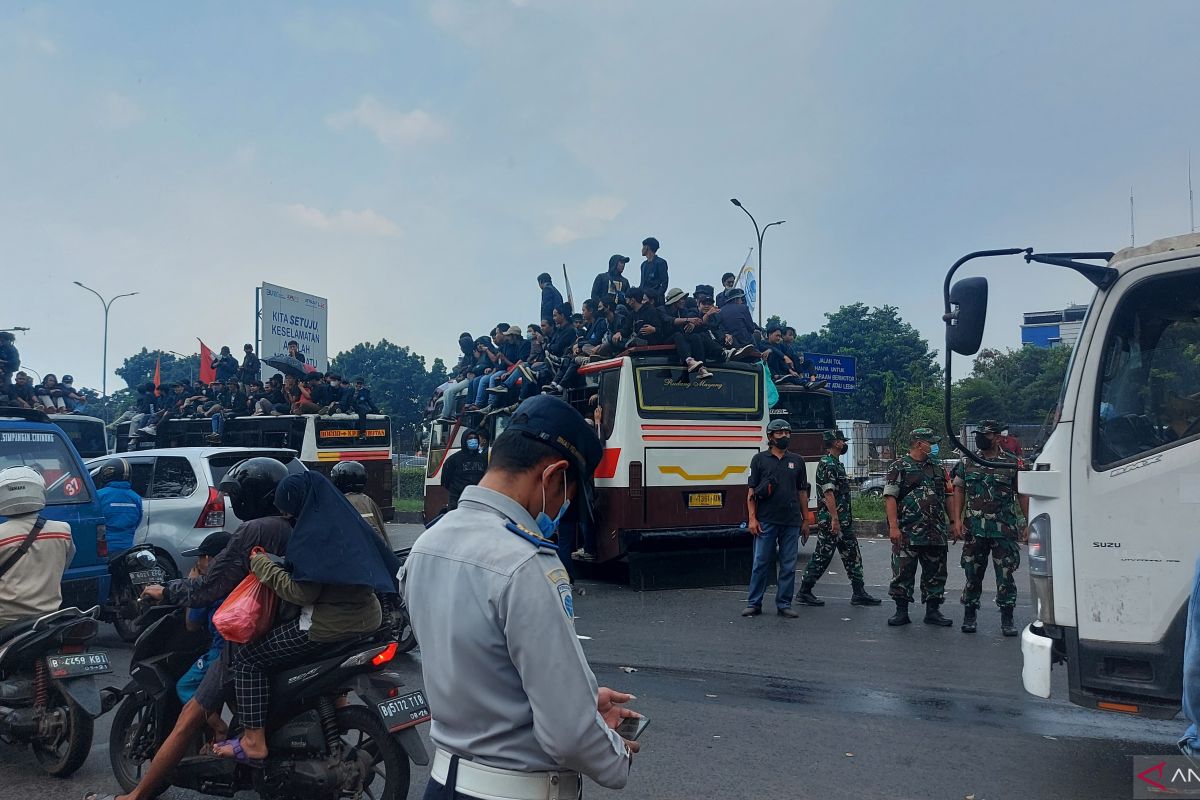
(545, 524)
(933, 449)
(472, 444)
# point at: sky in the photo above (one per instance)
(420, 163)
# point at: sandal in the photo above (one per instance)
(239, 754)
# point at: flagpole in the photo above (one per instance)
(1191, 199)
(1131, 239)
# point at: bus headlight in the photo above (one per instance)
(1039, 546)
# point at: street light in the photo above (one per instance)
(107, 304)
(760, 234)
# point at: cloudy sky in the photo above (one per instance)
(420, 163)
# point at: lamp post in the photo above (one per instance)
(760, 233)
(107, 304)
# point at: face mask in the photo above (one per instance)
(545, 524)
(982, 441)
(782, 442)
(472, 444)
(933, 449)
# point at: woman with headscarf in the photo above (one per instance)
(338, 563)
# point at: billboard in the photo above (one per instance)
(289, 315)
(839, 372)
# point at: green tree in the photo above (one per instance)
(139, 367)
(776, 320)
(399, 382)
(891, 359)
(1014, 386)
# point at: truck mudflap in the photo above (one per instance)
(688, 558)
(1035, 662)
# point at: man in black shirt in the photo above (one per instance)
(551, 297)
(645, 323)
(612, 282)
(464, 468)
(776, 504)
(654, 270)
(251, 369)
(728, 281)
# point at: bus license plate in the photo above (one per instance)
(705, 500)
(73, 666)
(146, 577)
(404, 712)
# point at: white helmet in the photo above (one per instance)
(22, 491)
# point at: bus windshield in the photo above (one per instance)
(668, 392)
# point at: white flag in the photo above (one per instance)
(747, 281)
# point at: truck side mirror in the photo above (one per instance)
(968, 312)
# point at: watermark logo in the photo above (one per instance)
(1156, 776)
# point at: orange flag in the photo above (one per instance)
(208, 373)
(157, 375)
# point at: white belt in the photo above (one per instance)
(493, 783)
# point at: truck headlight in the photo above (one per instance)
(1039, 546)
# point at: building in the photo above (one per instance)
(1053, 328)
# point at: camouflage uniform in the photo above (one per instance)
(920, 491)
(831, 477)
(993, 521)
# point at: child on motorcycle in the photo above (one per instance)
(200, 619)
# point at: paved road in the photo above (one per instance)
(833, 705)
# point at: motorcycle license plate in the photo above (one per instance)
(145, 577)
(73, 666)
(705, 500)
(405, 711)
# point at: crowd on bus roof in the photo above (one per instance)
(50, 394)
(515, 361)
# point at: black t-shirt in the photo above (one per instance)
(462, 469)
(790, 478)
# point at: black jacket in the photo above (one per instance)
(462, 469)
(654, 277)
(648, 315)
(736, 319)
(251, 368)
(226, 367)
(10, 361)
(551, 299)
(232, 564)
(610, 283)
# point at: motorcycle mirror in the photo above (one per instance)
(968, 312)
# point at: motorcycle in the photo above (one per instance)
(318, 751)
(48, 695)
(396, 614)
(130, 572)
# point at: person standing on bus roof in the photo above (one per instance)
(251, 369)
(916, 499)
(551, 297)
(464, 467)
(654, 270)
(776, 502)
(988, 499)
(613, 281)
(835, 527)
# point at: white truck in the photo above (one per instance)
(1115, 492)
(857, 458)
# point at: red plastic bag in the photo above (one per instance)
(247, 613)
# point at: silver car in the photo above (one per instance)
(181, 503)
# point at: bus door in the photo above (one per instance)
(1135, 484)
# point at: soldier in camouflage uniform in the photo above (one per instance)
(835, 527)
(916, 496)
(995, 515)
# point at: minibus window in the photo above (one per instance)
(672, 392)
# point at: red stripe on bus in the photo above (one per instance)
(654, 437)
(608, 464)
(689, 426)
(599, 366)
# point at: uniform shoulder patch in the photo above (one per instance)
(530, 536)
(561, 581)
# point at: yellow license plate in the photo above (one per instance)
(705, 500)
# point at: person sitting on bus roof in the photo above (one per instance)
(231, 402)
(167, 406)
(10, 362)
(778, 361)
(680, 322)
(710, 324)
(592, 333)
(362, 404)
(551, 297)
(737, 320)
(225, 365)
(464, 467)
(22, 391)
(512, 349)
(645, 323)
(803, 365)
(77, 403)
(728, 280)
(50, 395)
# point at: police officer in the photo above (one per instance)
(516, 709)
(776, 506)
(121, 505)
(835, 527)
(916, 499)
(988, 499)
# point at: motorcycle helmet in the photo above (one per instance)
(349, 476)
(778, 425)
(22, 491)
(251, 484)
(115, 469)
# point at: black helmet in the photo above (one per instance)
(115, 469)
(778, 425)
(251, 484)
(349, 476)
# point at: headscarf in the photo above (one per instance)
(331, 542)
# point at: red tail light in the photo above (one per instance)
(101, 542)
(213, 513)
(387, 655)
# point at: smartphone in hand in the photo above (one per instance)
(631, 727)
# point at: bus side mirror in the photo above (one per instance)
(968, 312)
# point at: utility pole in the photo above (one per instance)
(1131, 237)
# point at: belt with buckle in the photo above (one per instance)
(493, 783)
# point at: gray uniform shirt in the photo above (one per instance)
(507, 682)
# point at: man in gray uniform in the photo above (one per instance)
(516, 710)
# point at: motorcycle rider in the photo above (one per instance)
(121, 505)
(200, 619)
(250, 485)
(34, 552)
(350, 477)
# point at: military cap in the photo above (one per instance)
(833, 436)
(990, 426)
(925, 435)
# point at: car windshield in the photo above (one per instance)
(46, 452)
(219, 464)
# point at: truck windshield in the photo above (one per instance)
(668, 391)
(48, 454)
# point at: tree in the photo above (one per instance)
(898, 376)
(139, 367)
(398, 380)
(1014, 386)
(776, 321)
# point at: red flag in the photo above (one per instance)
(208, 373)
(157, 375)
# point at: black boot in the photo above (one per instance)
(933, 616)
(969, 623)
(1006, 622)
(805, 597)
(901, 615)
(861, 598)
